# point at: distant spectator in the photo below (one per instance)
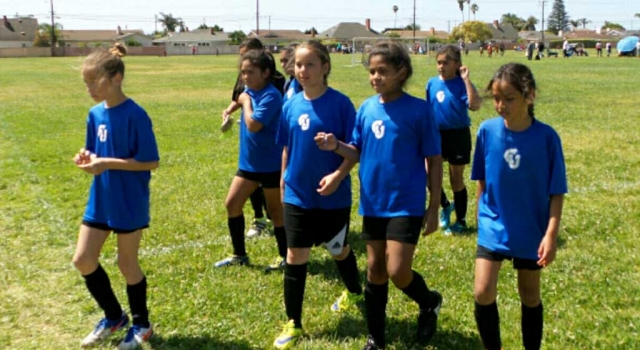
(565, 48)
(501, 49)
(608, 49)
(599, 49)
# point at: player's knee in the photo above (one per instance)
(84, 263)
(377, 272)
(128, 266)
(400, 277)
(484, 296)
(529, 296)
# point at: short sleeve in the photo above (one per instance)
(90, 138)
(145, 148)
(356, 135)
(558, 172)
(282, 137)
(349, 112)
(267, 108)
(478, 168)
(431, 144)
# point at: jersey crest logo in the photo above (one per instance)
(378, 129)
(440, 96)
(303, 121)
(102, 133)
(512, 157)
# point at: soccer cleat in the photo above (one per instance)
(445, 216)
(456, 228)
(346, 301)
(105, 328)
(279, 264)
(371, 345)
(428, 321)
(136, 335)
(227, 123)
(258, 227)
(233, 260)
(289, 336)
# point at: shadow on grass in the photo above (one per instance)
(325, 266)
(160, 342)
(400, 334)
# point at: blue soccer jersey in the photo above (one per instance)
(521, 171)
(302, 120)
(394, 139)
(120, 198)
(291, 88)
(258, 150)
(449, 103)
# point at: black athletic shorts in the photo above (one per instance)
(105, 227)
(456, 146)
(267, 180)
(518, 263)
(404, 229)
(306, 228)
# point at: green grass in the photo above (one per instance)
(591, 292)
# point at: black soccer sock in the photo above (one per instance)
(236, 229)
(257, 200)
(461, 198)
(295, 277)
(281, 239)
(418, 291)
(348, 268)
(100, 288)
(532, 325)
(375, 301)
(137, 295)
(444, 202)
(488, 322)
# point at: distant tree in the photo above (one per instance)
(584, 22)
(410, 27)
(637, 15)
(169, 22)
(461, 6)
(471, 31)
(43, 34)
(530, 23)
(474, 9)
(132, 42)
(513, 19)
(612, 25)
(558, 18)
(217, 28)
(574, 24)
(203, 26)
(393, 35)
(312, 30)
(237, 37)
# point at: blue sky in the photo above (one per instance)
(303, 14)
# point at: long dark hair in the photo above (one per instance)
(519, 77)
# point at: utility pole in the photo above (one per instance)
(53, 33)
(257, 17)
(269, 22)
(542, 28)
(414, 19)
(155, 23)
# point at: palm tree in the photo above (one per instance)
(530, 23)
(461, 5)
(474, 9)
(584, 22)
(574, 23)
(637, 15)
(468, 10)
(169, 22)
(395, 11)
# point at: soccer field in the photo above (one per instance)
(591, 293)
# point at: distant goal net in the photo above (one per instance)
(362, 46)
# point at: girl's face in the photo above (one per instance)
(384, 78)
(509, 102)
(309, 70)
(253, 77)
(447, 68)
(99, 88)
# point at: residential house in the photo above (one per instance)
(502, 33)
(346, 31)
(102, 38)
(23, 34)
(199, 41)
(423, 34)
(536, 36)
(279, 38)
